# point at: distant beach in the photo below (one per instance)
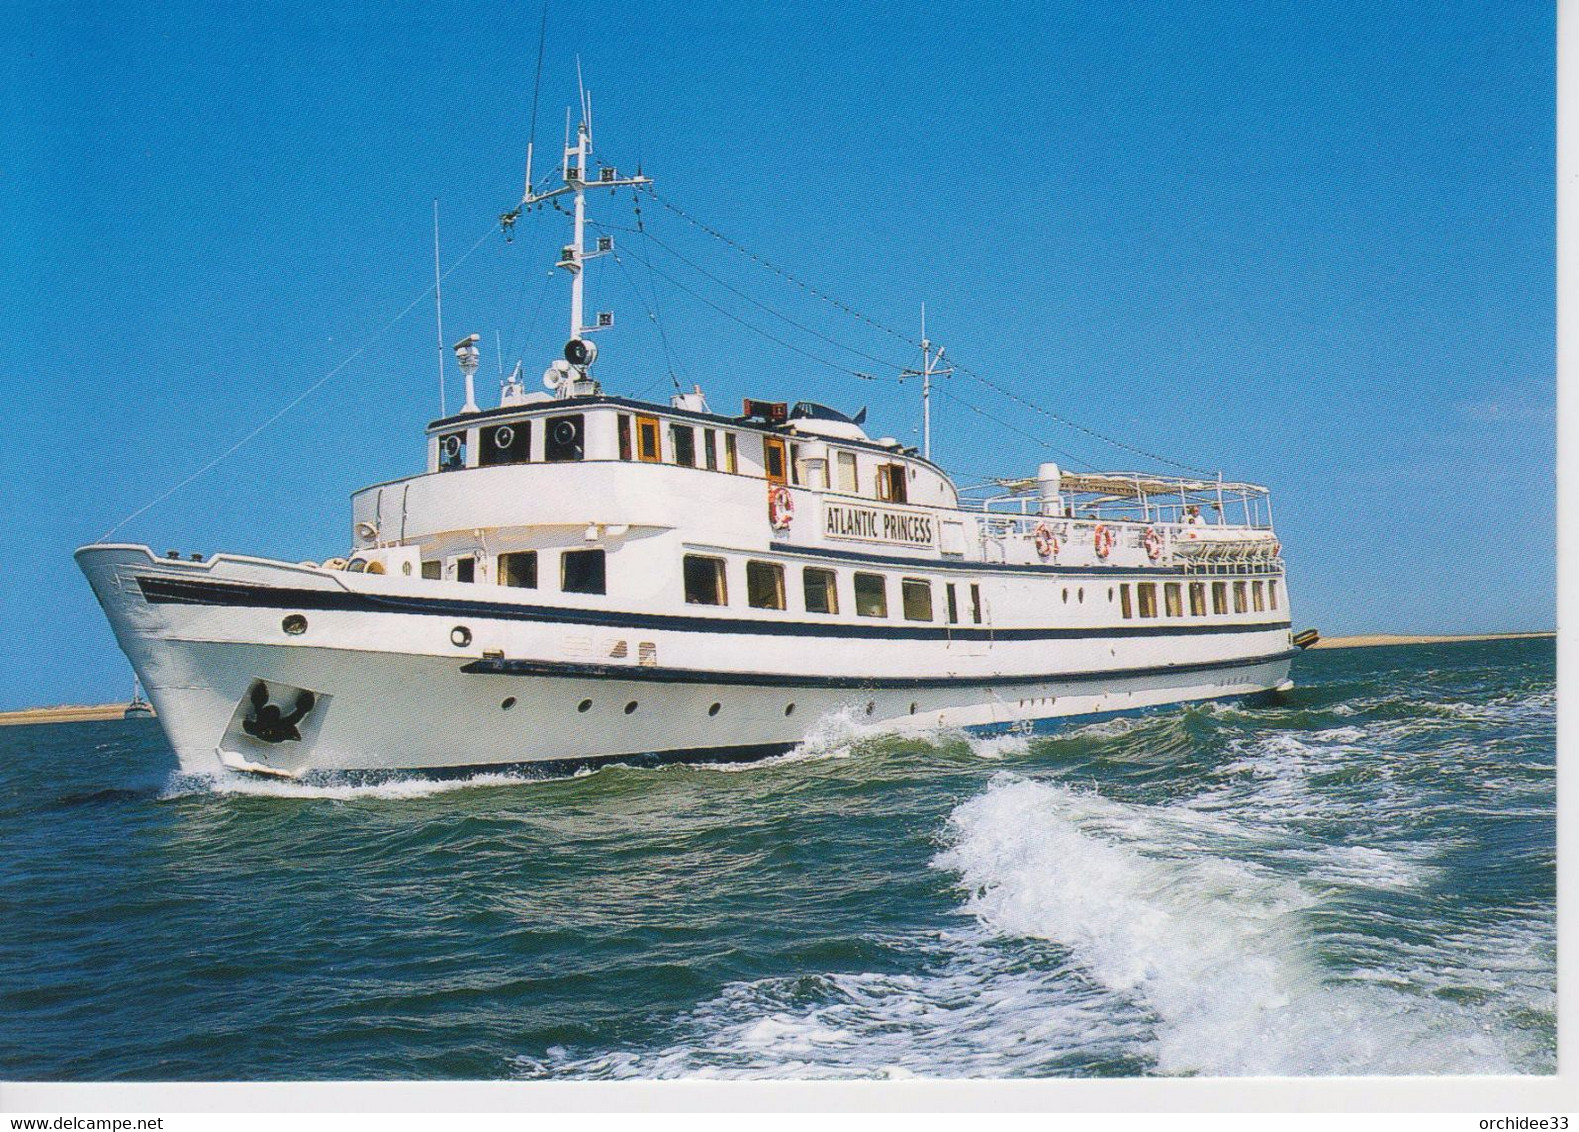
(67, 713)
(1372, 639)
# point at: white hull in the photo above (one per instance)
(391, 690)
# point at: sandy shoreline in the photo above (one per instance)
(1372, 639)
(81, 713)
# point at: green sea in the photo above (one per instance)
(1359, 879)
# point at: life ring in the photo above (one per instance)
(781, 508)
(1102, 540)
(1046, 543)
(1152, 541)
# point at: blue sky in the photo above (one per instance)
(1309, 244)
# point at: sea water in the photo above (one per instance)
(1357, 880)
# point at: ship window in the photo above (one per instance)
(626, 452)
(794, 464)
(953, 603)
(433, 570)
(731, 454)
(564, 439)
(917, 594)
(1257, 596)
(975, 603)
(1124, 605)
(1173, 599)
(871, 595)
(710, 449)
(1219, 597)
(682, 445)
(1271, 594)
(849, 481)
(1240, 605)
(765, 585)
(704, 581)
(822, 594)
(1147, 593)
(773, 458)
(466, 569)
(519, 570)
(452, 451)
(647, 440)
(505, 444)
(1197, 599)
(891, 482)
(582, 572)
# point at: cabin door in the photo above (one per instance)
(773, 458)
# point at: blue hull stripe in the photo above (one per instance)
(197, 591)
(640, 673)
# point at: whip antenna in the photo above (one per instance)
(537, 86)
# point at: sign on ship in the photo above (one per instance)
(877, 524)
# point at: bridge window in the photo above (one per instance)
(891, 483)
(582, 572)
(773, 458)
(1257, 596)
(871, 595)
(452, 451)
(564, 441)
(849, 479)
(433, 570)
(822, 592)
(704, 581)
(682, 445)
(1173, 599)
(626, 451)
(765, 585)
(1124, 605)
(466, 569)
(505, 444)
(710, 449)
(731, 454)
(917, 595)
(1219, 597)
(647, 440)
(519, 570)
(1240, 604)
(1197, 599)
(794, 464)
(1147, 593)
(1271, 593)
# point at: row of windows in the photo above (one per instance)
(580, 571)
(706, 582)
(1257, 595)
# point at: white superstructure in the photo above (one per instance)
(579, 576)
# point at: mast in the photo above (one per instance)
(931, 365)
(576, 175)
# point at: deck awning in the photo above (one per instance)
(1132, 485)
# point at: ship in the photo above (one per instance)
(577, 577)
(137, 707)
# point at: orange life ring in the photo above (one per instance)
(1152, 541)
(1046, 542)
(781, 508)
(1102, 540)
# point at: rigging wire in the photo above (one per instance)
(657, 318)
(366, 345)
(961, 367)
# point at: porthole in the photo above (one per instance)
(714, 710)
(507, 703)
(789, 709)
(1082, 595)
(630, 707)
(584, 706)
(460, 636)
(1110, 593)
(294, 625)
(1066, 596)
